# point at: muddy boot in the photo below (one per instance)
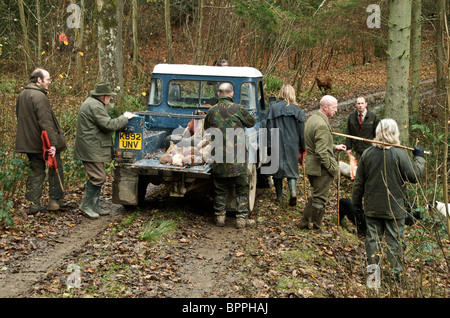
(35, 208)
(96, 207)
(293, 191)
(242, 222)
(307, 214)
(87, 204)
(56, 193)
(242, 219)
(317, 217)
(220, 203)
(219, 220)
(56, 205)
(278, 189)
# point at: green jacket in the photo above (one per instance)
(381, 180)
(319, 146)
(34, 114)
(228, 115)
(93, 142)
(369, 126)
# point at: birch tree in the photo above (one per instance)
(39, 28)
(26, 45)
(416, 43)
(398, 54)
(168, 31)
(135, 35)
(110, 55)
(201, 5)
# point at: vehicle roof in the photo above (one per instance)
(187, 69)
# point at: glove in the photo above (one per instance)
(418, 152)
(301, 155)
(129, 115)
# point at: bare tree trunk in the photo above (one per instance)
(168, 31)
(26, 46)
(110, 55)
(39, 27)
(135, 36)
(201, 4)
(416, 42)
(79, 30)
(397, 84)
(446, 123)
(440, 76)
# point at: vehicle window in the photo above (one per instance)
(248, 95)
(155, 92)
(190, 93)
(262, 102)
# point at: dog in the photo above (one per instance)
(357, 217)
(439, 206)
(325, 84)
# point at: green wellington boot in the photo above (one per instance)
(96, 207)
(307, 215)
(87, 204)
(317, 217)
(278, 183)
(293, 191)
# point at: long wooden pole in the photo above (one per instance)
(338, 190)
(377, 142)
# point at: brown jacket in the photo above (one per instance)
(34, 114)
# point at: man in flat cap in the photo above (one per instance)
(93, 144)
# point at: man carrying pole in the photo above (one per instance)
(321, 165)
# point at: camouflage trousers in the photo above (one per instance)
(222, 186)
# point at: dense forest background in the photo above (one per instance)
(393, 52)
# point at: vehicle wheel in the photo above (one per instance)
(142, 190)
(252, 181)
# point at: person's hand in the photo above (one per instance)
(52, 151)
(418, 152)
(129, 115)
(341, 147)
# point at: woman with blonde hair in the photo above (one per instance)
(381, 178)
(289, 119)
(387, 132)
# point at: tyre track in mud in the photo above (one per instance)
(17, 280)
(206, 271)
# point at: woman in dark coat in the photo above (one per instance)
(381, 179)
(289, 119)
